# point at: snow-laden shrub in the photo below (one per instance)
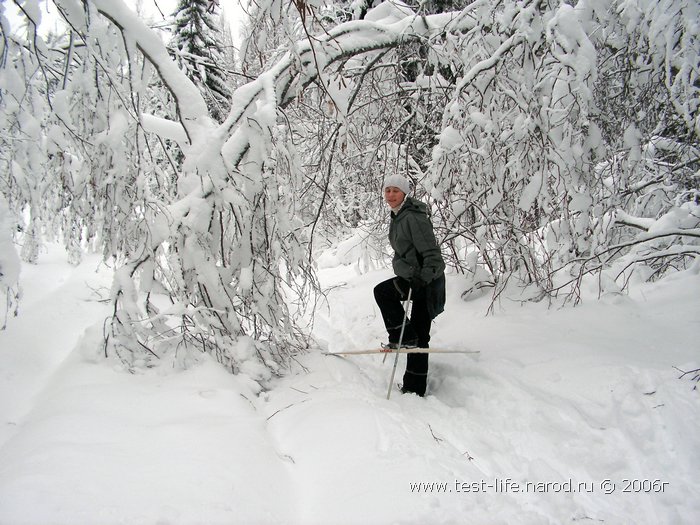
(9, 263)
(563, 117)
(364, 248)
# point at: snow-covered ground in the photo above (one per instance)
(567, 415)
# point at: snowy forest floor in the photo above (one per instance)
(561, 406)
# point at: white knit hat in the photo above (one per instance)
(397, 181)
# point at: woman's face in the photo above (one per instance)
(393, 196)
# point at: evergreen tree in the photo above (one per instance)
(198, 47)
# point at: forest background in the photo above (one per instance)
(554, 141)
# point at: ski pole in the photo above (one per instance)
(403, 327)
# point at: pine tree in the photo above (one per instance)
(198, 48)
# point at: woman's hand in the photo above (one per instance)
(417, 283)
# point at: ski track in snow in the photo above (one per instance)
(58, 303)
(582, 394)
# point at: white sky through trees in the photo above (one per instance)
(155, 9)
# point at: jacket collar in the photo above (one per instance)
(397, 210)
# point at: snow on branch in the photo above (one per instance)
(296, 70)
(164, 128)
(488, 63)
(310, 57)
(626, 219)
(191, 106)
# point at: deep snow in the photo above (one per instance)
(566, 396)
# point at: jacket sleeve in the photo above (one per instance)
(423, 237)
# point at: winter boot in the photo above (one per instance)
(415, 379)
(404, 344)
(414, 383)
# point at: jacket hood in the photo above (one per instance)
(412, 205)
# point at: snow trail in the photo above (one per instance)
(58, 303)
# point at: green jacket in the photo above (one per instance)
(415, 250)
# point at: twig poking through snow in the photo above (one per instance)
(285, 408)
(439, 440)
(684, 373)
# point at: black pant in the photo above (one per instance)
(389, 295)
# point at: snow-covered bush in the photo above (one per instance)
(542, 139)
(199, 219)
(9, 263)
(364, 248)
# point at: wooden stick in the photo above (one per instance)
(404, 351)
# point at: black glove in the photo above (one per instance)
(417, 283)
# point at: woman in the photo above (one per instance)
(418, 266)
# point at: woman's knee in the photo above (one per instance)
(383, 289)
(378, 292)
